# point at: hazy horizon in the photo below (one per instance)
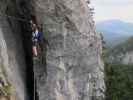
(113, 10)
(106, 20)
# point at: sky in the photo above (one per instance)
(113, 9)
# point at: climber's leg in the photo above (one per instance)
(35, 53)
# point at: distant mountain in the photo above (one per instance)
(115, 31)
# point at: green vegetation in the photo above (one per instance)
(104, 55)
(119, 82)
(46, 35)
(118, 77)
(6, 89)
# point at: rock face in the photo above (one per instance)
(12, 60)
(74, 67)
(123, 58)
(128, 59)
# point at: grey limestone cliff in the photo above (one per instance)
(122, 58)
(12, 57)
(74, 67)
(12, 64)
(128, 58)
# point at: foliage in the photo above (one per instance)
(119, 82)
(118, 77)
(46, 34)
(104, 55)
(103, 41)
(6, 90)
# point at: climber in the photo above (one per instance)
(34, 38)
(37, 38)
